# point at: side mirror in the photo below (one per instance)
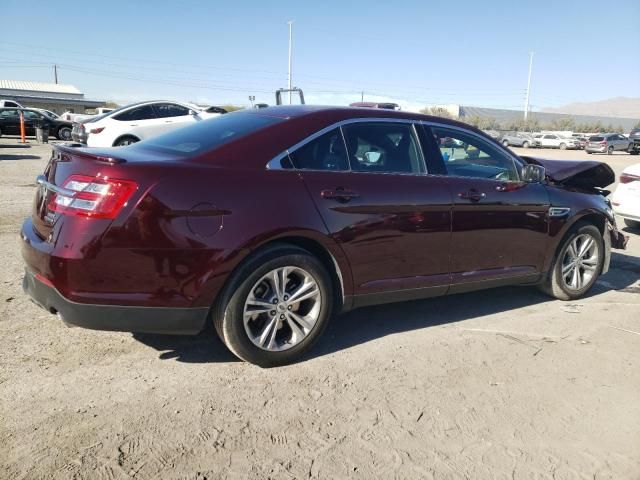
(372, 157)
(533, 173)
(193, 112)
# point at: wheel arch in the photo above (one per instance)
(589, 216)
(120, 137)
(330, 256)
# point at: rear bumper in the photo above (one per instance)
(596, 149)
(169, 320)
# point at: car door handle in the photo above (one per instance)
(339, 193)
(133, 124)
(168, 121)
(473, 195)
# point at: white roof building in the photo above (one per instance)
(52, 96)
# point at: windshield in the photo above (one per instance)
(209, 134)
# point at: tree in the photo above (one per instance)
(111, 104)
(437, 112)
(232, 108)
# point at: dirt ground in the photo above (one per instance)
(505, 383)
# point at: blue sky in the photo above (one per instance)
(414, 52)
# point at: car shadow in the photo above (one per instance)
(19, 157)
(371, 323)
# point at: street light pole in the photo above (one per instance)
(290, 42)
(526, 101)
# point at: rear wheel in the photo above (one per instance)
(577, 264)
(610, 150)
(563, 146)
(632, 223)
(124, 141)
(505, 143)
(64, 133)
(526, 145)
(275, 307)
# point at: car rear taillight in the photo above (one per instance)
(96, 130)
(95, 197)
(628, 178)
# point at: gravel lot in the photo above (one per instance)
(504, 383)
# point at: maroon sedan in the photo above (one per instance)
(268, 222)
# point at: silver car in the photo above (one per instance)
(608, 143)
(517, 139)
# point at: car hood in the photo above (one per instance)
(576, 173)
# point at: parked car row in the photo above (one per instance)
(601, 143)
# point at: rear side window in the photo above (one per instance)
(326, 152)
(379, 147)
(596, 138)
(209, 134)
(144, 112)
(8, 114)
(166, 110)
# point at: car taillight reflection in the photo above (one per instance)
(628, 178)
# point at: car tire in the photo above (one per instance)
(126, 140)
(610, 150)
(563, 146)
(0, 132)
(63, 133)
(243, 333)
(526, 145)
(505, 143)
(556, 283)
(632, 223)
(589, 153)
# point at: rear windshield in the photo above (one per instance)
(209, 134)
(596, 139)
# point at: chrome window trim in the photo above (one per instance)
(274, 164)
(516, 162)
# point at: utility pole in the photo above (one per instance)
(290, 41)
(526, 101)
(55, 73)
(362, 96)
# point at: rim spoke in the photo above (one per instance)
(586, 246)
(294, 327)
(591, 261)
(259, 303)
(567, 268)
(275, 283)
(572, 249)
(268, 332)
(301, 320)
(307, 290)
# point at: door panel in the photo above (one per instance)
(499, 223)
(394, 229)
(500, 233)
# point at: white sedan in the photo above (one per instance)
(626, 198)
(551, 140)
(138, 121)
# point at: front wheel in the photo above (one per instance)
(577, 265)
(610, 150)
(526, 145)
(275, 307)
(64, 133)
(563, 146)
(505, 143)
(124, 141)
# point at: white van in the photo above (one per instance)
(9, 103)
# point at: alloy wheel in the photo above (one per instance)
(580, 262)
(282, 308)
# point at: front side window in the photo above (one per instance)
(29, 115)
(9, 114)
(166, 110)
(466, 155)
(379, 147)
(323, 153)
(144, 112)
